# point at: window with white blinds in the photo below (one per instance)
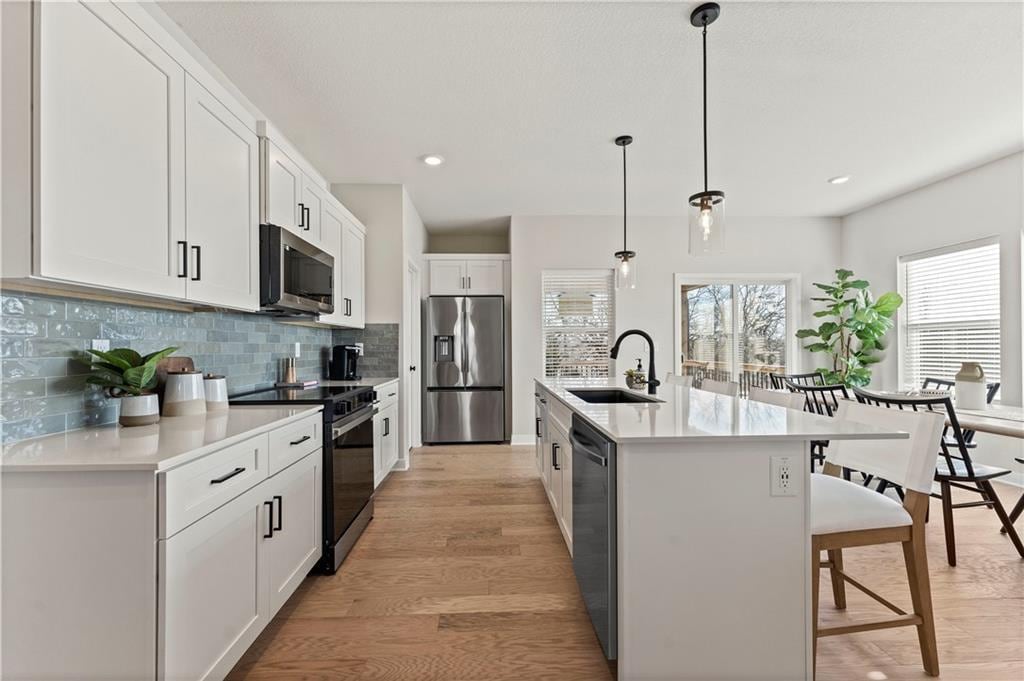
(952, 312)
(578, 320)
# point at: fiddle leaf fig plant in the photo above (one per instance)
(854, 330)
(123, 371)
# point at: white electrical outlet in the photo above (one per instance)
(784, 471)
(101, 344)
(298, 349)
(359, 349)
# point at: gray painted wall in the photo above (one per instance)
(43, 363)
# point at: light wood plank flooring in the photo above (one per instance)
(463, 575)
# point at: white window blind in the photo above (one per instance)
(578, 319)
(952, 312)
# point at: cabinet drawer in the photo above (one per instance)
(190, 492)
(387, 395)
(559, 414)
(290, 443)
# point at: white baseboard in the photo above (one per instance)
(522, 440)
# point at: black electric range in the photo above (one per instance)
(348, 459)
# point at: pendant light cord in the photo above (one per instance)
(623, 197)
(704, 41)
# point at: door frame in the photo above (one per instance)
(412, 322)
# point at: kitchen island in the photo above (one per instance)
(706, 510)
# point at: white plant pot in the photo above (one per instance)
(139, 410)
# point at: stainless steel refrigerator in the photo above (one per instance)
(465, 361)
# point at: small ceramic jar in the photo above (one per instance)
(970, 391)
(216, 388)
(184, 394)
(139, 410)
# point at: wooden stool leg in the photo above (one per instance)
(947, 521)
(997, 506)
(835, 556)
(915, 556)
(815, 586)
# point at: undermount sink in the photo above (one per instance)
(611, 396)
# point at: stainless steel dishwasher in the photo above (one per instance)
(594, 529)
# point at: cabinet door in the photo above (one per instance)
(353, 250)
(378, 449)
(222, 203)
(312, 205)
(540, 423)
(557, 457)
(283, 189)
(111, 152)
(295, 544)
(331, 226)
(389, 444)
(447, 277)
(212, 596)
(565, 463)
(485, 277)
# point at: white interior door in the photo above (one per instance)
(222, 206)
(111, 154)
(411, 395)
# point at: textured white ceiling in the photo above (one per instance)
(524, 99)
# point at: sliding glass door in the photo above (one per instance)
(733, 330)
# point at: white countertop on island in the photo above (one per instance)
(171, 442)
(684, 414)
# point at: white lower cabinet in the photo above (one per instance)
(554, 458)
(212, 597)
(385, 432)
(224, 576)
(293, 545)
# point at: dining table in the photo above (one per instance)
(996, 419)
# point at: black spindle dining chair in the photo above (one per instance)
(822, 400)
(812, 378)
(955, 467)
(991, 390)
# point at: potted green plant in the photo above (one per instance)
(853, 335)
(124, 373)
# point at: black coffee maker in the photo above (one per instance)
(344, 363)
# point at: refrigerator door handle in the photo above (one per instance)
(466, 325)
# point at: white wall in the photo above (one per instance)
(805, 246)
(468, 242)
(983, 202)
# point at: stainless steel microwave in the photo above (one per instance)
(296, 277)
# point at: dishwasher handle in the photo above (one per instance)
(587, 449)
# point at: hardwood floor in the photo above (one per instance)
(463, 575)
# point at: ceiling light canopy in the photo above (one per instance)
(707, 207)
(433, 159)
(839, 179)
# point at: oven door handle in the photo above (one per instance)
(341, 430)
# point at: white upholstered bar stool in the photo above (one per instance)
(730, 388)
(845, 514)
(781, 398)
(676, 379)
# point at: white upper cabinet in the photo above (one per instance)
(331, 226)
(485, 277)
(447, 277)
(282, 189)
(222, 210)
(471, 277)
(111, 153)
(353, 254)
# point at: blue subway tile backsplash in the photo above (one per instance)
(43, 362)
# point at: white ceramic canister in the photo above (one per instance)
(139, 410)
(970, 387)
(216, 388)
(184, 394)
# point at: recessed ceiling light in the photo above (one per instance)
(839, 179)
(433, 160)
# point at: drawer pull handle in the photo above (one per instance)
(391, 394)
(227, 476)
(300, 440)
(280, 513)
(270, 519)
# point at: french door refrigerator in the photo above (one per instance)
(465, 361)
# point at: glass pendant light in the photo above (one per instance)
(707, 208)
(625, 269)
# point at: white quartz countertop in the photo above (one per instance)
(372, 382)
(684, 414)
(171, 442)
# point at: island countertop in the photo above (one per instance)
(172, 441)
(684, 414)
